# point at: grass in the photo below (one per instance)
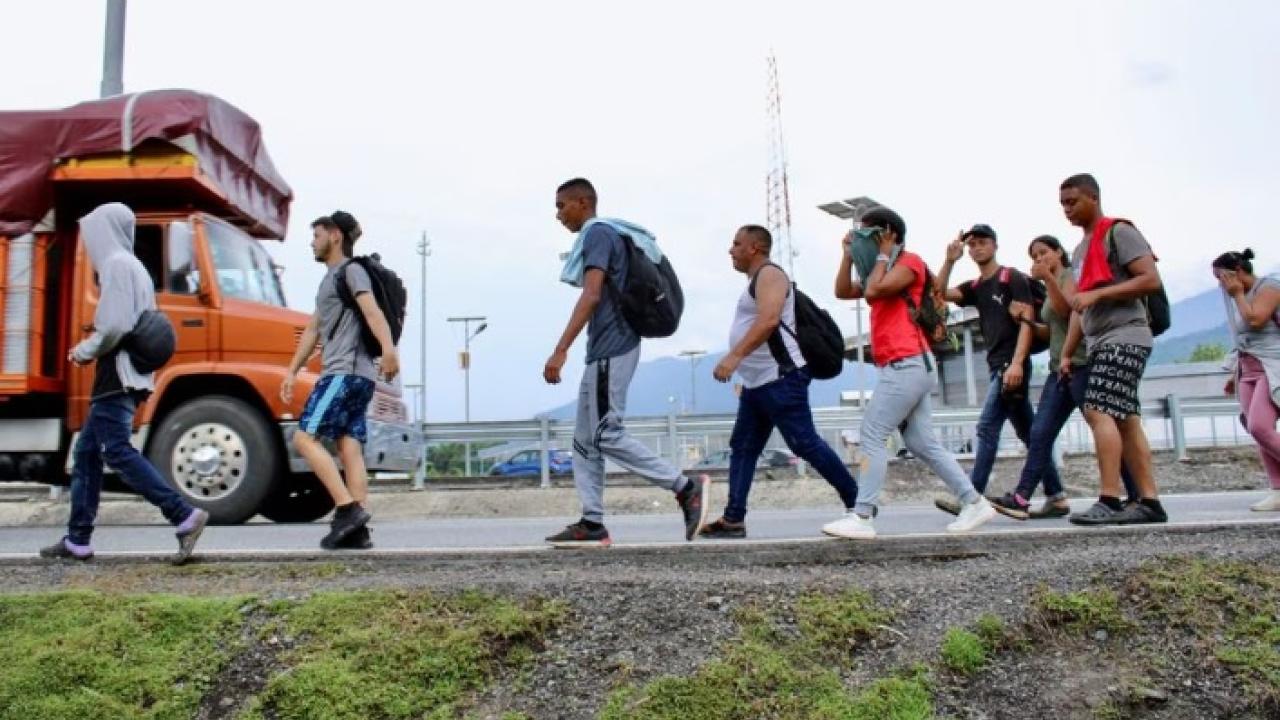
(785, 672)
(1096, 609)
(964, 652)
(384, 654)
(79, 655)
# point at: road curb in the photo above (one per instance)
(792, 551)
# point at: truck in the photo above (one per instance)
(209, 202)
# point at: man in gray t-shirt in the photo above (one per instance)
(1115, 271)
(335, 410)
(613, 351)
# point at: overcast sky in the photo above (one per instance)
(461, 118)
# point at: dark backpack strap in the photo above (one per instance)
(777, 347)
(344, 294)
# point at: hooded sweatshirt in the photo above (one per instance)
(125, 290)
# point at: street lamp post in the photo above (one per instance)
(853, 210)
(694, 356)
(113, 50)
(424, 250)
(468, 336)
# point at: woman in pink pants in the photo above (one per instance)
(1253, 314)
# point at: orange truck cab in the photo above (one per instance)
(208, 203)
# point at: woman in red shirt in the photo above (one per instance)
(906, 377)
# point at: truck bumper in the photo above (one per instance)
(392, 447)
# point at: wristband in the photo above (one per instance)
(882, 258)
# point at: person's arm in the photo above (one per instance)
(1014, 375)
(112, 320)
(771, 293)
(846, 287)
(592, 290)
(1075, 334)
(1024, 313)
(1261, 310)
(1057, 298)
(306, 346)
(955, 250)
(390, 364)
(888, 284)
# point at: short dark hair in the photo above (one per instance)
(761, 234)
(883, 217)
(345, 223)
(579, 185)
(1235, 261)
(1085, 183)
(1052, 243)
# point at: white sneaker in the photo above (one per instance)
(852, 526)
(972, 516)
(1270, 503)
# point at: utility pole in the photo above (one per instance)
(113, 50)
(694, 356)
(424, 250)
(468, 336)
(776, 185)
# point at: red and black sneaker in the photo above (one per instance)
(693, 503)
(579, 535)
(1011, 505)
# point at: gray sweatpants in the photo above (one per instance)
(599, 434)
(902, 394)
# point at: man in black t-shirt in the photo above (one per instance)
(1008, 344)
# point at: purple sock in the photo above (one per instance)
(80, 551)
(190, 523)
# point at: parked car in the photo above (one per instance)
(772, 458)
(526, 463)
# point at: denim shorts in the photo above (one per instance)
(337, 408)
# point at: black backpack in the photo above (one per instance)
(151, 343)
(816, 333)
(1159, 314)
(388, 291)
(651, 300)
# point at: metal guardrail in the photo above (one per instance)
(547, 433)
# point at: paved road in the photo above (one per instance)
(455, 534)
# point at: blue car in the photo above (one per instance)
(526, 463)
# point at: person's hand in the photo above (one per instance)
(1013, 377)
(1084, 299)
(846, 244)
(955, 249)
(555, 363)
(390, 364)
(726, 367)
(887, 241)
(1046, 268)
(1230, 387)
(286, 388)
(1022, 312)
(1230, 281)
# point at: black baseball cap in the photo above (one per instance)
(981, 230)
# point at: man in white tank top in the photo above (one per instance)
(764, 353)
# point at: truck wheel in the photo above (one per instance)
(220, 454)
(300, 499)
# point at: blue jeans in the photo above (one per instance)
(1058, 400)
(105, 437)
(784, 404)
(995, 411)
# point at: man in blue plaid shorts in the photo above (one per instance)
(336, 408)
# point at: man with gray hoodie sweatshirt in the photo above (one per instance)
(125, 292)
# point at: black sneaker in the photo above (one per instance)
(66, 550)
(1140, 514)
(346, 520)
(1099, 514)
(358, 540)
(1051, 509)
(947, 505)
(693, 503)
(1009, 506)
(724, 530)
(579, 535)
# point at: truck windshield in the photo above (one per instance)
(244, 268)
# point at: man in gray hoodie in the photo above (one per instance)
(125, 292)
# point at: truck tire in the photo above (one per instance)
(299, 499)
(220, 454)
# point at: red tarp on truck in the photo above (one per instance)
(226, 142)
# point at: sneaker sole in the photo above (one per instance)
(723, 536)
(986, 518)
(948, 506)
(844, 536)
(705, 482)
(1012, 513)
(583, 544)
